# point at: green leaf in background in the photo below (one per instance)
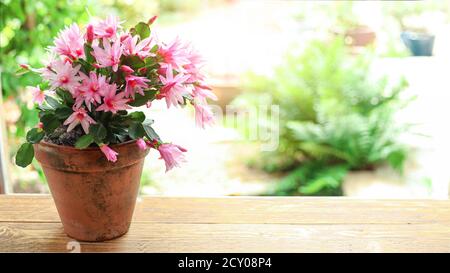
(84, 142)
(63, 112)
(25, 155)
(150, 132)
(143, 30)
(313, 178)
(154, 49)
(136, 130)
(186, 98)
(35, 135)
(98, 131)
(50, 122)
(140, 100)
(103, 117)
(326, 180)
(65, 96)
(87, 52)
(21, 71)
(85, 66)
(52, 102)
(134, 62)
(137, 116)
(337, 116)
(397, 159)
(151, 63)
(45, 107)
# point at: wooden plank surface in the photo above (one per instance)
(242, 224)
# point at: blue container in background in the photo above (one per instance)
(418, 43)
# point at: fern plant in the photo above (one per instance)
(334, 117)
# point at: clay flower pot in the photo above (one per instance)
(420, 44)
(360, 36)
(95, 198)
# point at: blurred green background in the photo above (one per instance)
(338, 114)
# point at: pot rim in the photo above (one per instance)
(71, 159)
(45, 143)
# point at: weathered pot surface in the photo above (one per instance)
(95, 198)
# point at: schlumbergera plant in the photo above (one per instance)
(95, 75)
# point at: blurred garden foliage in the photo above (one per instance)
(27, 28)
(334, 117)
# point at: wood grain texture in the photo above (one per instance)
(242, 224)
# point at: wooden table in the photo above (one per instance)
(241, 224)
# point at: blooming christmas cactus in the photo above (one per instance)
(94, 76)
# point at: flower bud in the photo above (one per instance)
(126, 69)
(25, 66)
(90, 33)
(150, 22)
(142, 70)
(162, 71)
(141, 144)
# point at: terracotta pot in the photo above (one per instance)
(420, 44)
(95, 198)
(360, 36)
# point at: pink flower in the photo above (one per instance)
(173, 88)
(135, 84)
(193, 67)
(173, 54)
(111, 101)
(141, 49)
(70, 42)
(110, 154)
(90, 90)
(172, 155)
(203, 115)
(78, 95)
(202, 92)
(38, 95)
(109, 56)
(141, 144)
(107, 28)
(80, 116)
(194, 57)
(65, 77)
(194, 73)
(50, 61)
